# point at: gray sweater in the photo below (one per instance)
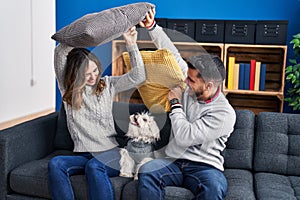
(199, 129)
(92, 126)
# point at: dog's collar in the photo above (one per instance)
(139, 143)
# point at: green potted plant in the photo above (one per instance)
(293, 75)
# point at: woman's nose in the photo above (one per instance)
(94, 76)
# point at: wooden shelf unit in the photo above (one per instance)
(186, 49)
(272, 99)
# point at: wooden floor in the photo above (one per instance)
(14, 122)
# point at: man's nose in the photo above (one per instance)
(186, 81)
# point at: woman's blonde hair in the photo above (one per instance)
(77, 63)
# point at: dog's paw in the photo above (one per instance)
(136, 177)
(127, 175)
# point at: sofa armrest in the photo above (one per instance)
(23, 143)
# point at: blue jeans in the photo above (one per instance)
(97, 168)
(204, 181)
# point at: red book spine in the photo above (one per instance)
(252, 73)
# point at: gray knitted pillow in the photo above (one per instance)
(99, 28)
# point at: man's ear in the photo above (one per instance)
(209, 85)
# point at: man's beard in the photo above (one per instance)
(195, 94)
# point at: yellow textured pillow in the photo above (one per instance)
(163, 73)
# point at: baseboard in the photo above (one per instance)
(14, 122)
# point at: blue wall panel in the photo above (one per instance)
(69, 10)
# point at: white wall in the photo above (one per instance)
(27, 81)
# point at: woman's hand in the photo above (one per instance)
(130, 36)
(149, 19)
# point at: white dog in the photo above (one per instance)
(142, 131)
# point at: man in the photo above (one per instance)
(202, 120)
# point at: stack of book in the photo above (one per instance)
(246, 76)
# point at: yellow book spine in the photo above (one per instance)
(257, 76)
(236, 72)
(231, 63)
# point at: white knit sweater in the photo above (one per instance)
(92, 126)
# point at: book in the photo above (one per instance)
(241, 76)
(262, 82)
(236, 76)
(252, 73)
(257, 76)
(247, 76)
(231, 62)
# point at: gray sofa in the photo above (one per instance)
(262, 158)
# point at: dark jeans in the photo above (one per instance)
(97, 168)
(205, 181)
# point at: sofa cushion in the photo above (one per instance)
(164, 123)
(240, 184)
(277, 143)
(121, 113)
(275, 186)
(98, 28)
(79, 185)
(238, 153)
(21, 197)
(32, 178)
(63, 138)
(171, 193)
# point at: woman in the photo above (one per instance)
(88, 100)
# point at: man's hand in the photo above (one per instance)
(130, 36)
(175, 93)
(149, 19)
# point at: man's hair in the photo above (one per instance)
(210, 67)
